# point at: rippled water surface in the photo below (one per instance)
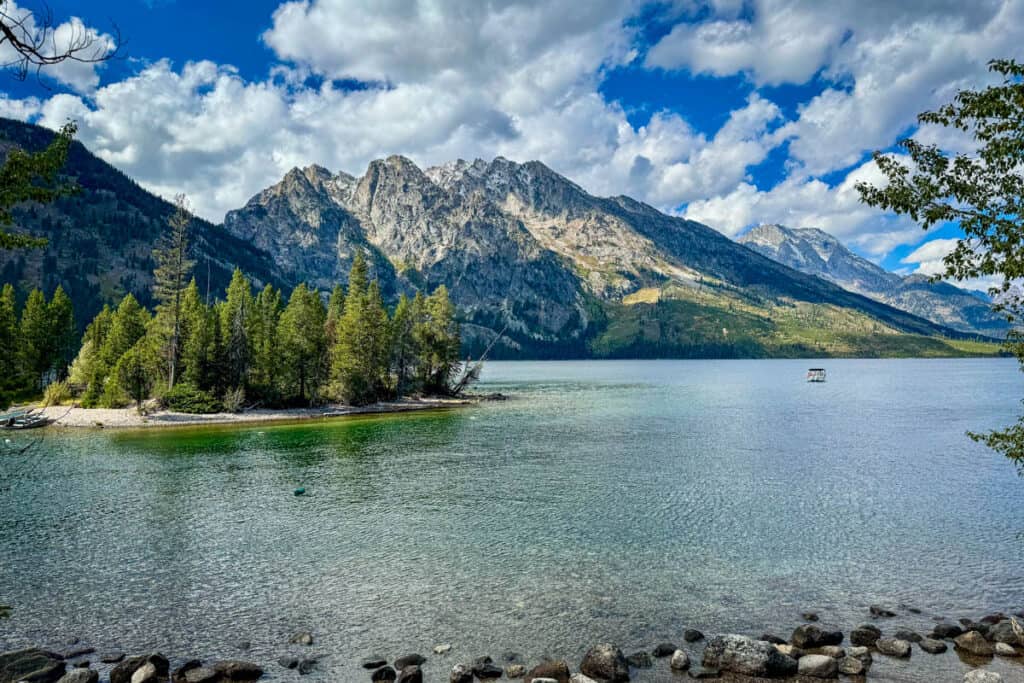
(605, 500)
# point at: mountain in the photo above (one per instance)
(525, 252)
(102, 237)
(818, 253)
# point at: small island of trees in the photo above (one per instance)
(247, 349)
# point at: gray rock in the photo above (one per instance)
(680, 661)
(982, 676)
(409, 660)
(515, 670)
(485, 669)
(818, 666)
(943, 631)
(743, 655)
(442, 649)
(123, 672)
(461, 673)
(307, 666)
(80, 676)
(111, 657)
(851, 666)
(809, 636)
(1004, 650)
(790, 650)
(908, 635)
(773, 639)
(179, 673)
(575, 678)
(860, 653)
(833, 651)
(201, 674)
(557, 671)
(373, 662)
(605, 662)
(893, 647)
(33, 664)
(77, 650)
(974, 643)
(878, 611)
(809, 616)
(664, 650)
(145, 674)
(932, 646)
(301, 638)
(692, 635)
(640, 660)
(385, 673)
(1004, 632)
(865, 635)
(289, 662)
(237, 670)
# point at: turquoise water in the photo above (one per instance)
(605, 500)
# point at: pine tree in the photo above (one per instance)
(201, 346)
(135, 372)
(436, 334)
(266, 355)
(89, 370)
(236, 324)
(8, 338)
(403, 348)
(170, 277)
(302, 344)
(360, 356)
(64, 331)
(127, 326)
(35, 342)
(335, 309)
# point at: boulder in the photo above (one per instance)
(373, 662)
(862, 654)
(893, 647)
(487, 670)
(664, 650)
(973, 643)
(556, 670)
(982, 676)
(442, 649)
(605, 662)
(80, 676)
(201, 674)
(386, 673)
(461, 673)
(943, 631)
(145, 674)
(865, 635)
(33, 664)
(515, 670)
(818, 666)
(179, 673)
(908, 635)
(851, 666)
(1004, 650)
(1004, 632)
(301, 638)
(692, 635)
(640, 660)
(773, 639)
(932, 646)
(680, 661)
(993, 618)
(409, 660)
(878, 611)
(237, 670)
(411, 673)
(743, 655)
(809, 637)
(123, 672)
(579, 678)
(790, 650)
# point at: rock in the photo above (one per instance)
(809, 616)
(605, 662)
(974, 643)
(245, 645)
(386, 673)
(742, 655)
(877, 611)
(32, 664)
(373, 662)
(577, 678)
(773, 639)
(893, 647)
(307, 666)
(809, 636)
(557, 671)
(664, 650)
(145, 674)
(790, 650)
(111, 657)
(485, 669)
(77, 651)
(515, 670)
(511, 656)
(640, 660)
(551, 680)
(865, 635)
(680, 661)
(702, 672)
(851, 666)
(932, 646)
(82, 664)
(237, 670)
(909, 636)
(80, 676)
(178, 675)
(993, 618)
(301, 638)
(123, 672)
(409, 660)
(201, 674)
(461, 673)
(818, 666)
(289, 662)
(943, 631)
(442, 649)
(981, 676)
(1004, 650)
(692, 635)
(1004, 632)
(833, 651)
(860, 653)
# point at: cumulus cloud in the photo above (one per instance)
(928, 257)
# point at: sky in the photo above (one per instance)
(729, 112)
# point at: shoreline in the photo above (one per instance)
(73, 417)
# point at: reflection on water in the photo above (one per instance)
(621, 500)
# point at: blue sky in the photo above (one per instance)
(731, 112)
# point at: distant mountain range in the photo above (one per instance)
(523, 250)
(816, 252)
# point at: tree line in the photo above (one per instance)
(245, 349)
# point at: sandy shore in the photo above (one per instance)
(65, 416)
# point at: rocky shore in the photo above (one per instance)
(810, 653)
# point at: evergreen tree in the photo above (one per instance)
(266, 357)
(335, 309)
(436, 335)
(89, 370)
(35, 341)
(8, 338)
(403, 348)
(127, 326)
(361, 353)
(201, 355)
(235, 323)
(302, 345)
(64, 331)
(134, 372)
(170, 278)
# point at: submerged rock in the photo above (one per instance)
(981, 676)
(111, 657)
(640, 660)
(680, 661)
(974, 643)
(555, 670)
(878, 611)
(32, 664)
(664, 650)
(237, 670)
(692, 635)
(80, 676)
(410, 673)
(373, 662)
(851, 666)
(385, 673)
(809, 616)
(865, 635)
(300, 638)
(908, 635)
(943, 631)
(809, 636)
(605, 661)
(1004, 650)
(1004, 632)
(201, 674)
(893, 647)
(743, 655)
(461, 673)
(288, 662)
(818, 666)
(702, 672)
(932, 646)
(409, 660)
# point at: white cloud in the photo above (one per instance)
(21, 110)
(928, 257)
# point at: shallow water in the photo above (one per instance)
(605, 500)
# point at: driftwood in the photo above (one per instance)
(471, 372)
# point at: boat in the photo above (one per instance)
(23, 419)
(816, 375)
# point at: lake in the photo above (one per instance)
(605, 500)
